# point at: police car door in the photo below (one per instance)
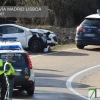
(12, 31)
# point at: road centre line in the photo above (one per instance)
(69, 81)
(51, 53)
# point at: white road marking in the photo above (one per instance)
(69, 81)
(51, 53)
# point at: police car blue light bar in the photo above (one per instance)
(10, 47)
(8, 38)
(98, 11)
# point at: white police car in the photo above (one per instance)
(10, 43)
(34, 39)
(88, 32)
(24, 75)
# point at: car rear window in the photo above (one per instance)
(91, 22)
(17, 58)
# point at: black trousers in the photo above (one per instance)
(3, 86)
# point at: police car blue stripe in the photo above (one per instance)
(10, 47)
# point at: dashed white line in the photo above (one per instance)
(69, 81)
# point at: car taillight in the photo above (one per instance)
(99, 30)
(29, 61)
(31, 82)
(79, 28)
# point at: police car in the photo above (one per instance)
(34, 39)
(24, 74)
(88, 32)
(10, 43)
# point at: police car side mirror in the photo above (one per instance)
(0, 34)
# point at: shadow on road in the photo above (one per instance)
(93, 49)
(53, 88)
(47, 70)
(20, 95)
(79, 85)
(45, 95)
(66, 53)
(48, 75)
(53, 80)
(49, 80)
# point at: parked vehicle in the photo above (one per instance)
(24, 73)
(10, 43)
(88, 32)
(34, 39)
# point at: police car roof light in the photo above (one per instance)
(98, 11)
(8, 38)
(10, 47)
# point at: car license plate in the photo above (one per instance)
(89, 35)
(17, 73)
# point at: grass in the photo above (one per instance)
(63, 46)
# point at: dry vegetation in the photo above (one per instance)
(63, 15)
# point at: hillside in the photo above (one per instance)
(62, 13)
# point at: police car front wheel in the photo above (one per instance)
(35, 46)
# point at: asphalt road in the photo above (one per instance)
(53, 70)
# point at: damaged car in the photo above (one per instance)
(35, 39)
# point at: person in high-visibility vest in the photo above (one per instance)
(9, 73)
(2, 80)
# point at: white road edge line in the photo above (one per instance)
(69, 81)
(51, 53)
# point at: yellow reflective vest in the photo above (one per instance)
(11, 70)
(1, 67)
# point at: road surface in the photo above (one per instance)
(53, 70)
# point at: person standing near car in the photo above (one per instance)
(9, 73)
(2, 80)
